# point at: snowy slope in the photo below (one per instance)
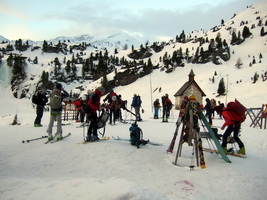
(115, 169)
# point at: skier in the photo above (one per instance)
(120, 105)
(93, 106)
(219, 109)
(111, 98)
(233, 120)
(78, 105)
(40, 102)
(208, 110)
(156, 105)
(87, 97)
(167, 106)
(136, 104)
(57, 96)
(213, 105)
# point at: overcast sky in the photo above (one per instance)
(151, 19)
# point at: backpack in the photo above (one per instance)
(55, 100)
(102, 120)
(136, 135)
(34, 99)
(239, 109)
(137, 101)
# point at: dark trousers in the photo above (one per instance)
(231, 128)
(92, 130)
(112, 113)
(39, 114)
(209, 117)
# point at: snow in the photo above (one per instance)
(116, 170)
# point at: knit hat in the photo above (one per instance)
(101, 89)
(192, 97)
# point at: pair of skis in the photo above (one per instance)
(178, 123)
(42, 137)
(230, 153)
(91, 141)
(56, 140)
(148, 142)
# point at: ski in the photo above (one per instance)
(178, 123)
(24, 141)
(54, 140)
(83, 125)
(124, 139)
(230, 153)
(102, 139)
(213, 136)
(201, 154)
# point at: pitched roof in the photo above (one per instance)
(191, 80)
(186, 86)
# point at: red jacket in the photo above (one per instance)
(230, 117)
(94, 101)
(78, 104)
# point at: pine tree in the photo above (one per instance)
(35, 61)
(221, 88)
(234, 38)
(255, 78)
(246, 32)
(262, 32)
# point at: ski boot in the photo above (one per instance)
(95, 138)
(59, 137)
(89, 138)
(225, 150)
(242, 151)
(38, 125)
(50, 137)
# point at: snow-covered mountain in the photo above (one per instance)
(251, 53)
(3, 39)
(111, 41)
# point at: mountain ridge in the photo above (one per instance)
(248, 50)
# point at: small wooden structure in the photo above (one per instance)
(69, 110)
(258, 116)
(189, 88)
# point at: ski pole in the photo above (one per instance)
(23, 141)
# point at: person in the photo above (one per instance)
(120, 105)
(156, 105)
(41, 101)
(93, 106)
(208, 110)
(233, 121)
(213, 105)
(112, 101)
(219, 109)
(83, 100)
(167, 106)
(79, 105)
(57, 96)
(136, 104)
(89, 94)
